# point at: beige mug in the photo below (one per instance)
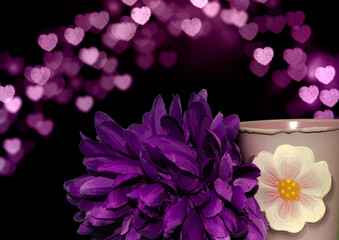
(299, 160)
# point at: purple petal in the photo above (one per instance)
(85, 228)
(139, 219)
(132, 234)
(192, 228)
(125, 225)
(226, 168)
(165, 143)
(101, 212)
(152, 195)
(94, 162)
(158, 110)
(239, 199)
(215, 226)
(175, 215)
(246, 170)
(186, 182)
(121, 167)
(120, 179)
(253, 233)
(231, 124)
(87, 205)
(133, 143)
(148, 166)
(90, 147)
(207, 167)
(217, 126)
(223, 189)
(73, 186)
(246, 183)
(200, 198)
(229, 219)
(149, 211)
(182, 162)
(152, 230)
(118, 197)
(175, 108)
(101, 117)
(99, 186)
(242, 227)
(112, 134)
(173, 128)
(79, 216)
(213, 207)
(195, 114)
(99, 222)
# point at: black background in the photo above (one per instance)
(32, 201)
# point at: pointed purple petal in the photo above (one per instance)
(118, 197)
(132, 234)
(175, 215)
(217, 126)
(112, 134)
(101, 117)
(87, 205)
(239, 199)
(186, 182)
(213, 207)
(246, 183)
(133, 143)
(192, 228)
(85, 228)
(165, 143)
(121, 167)
(125, 225)
(246, 170)
(215, 226)
(152, 195)
(94, 162)
(73, 186)
(231, 124)
(152, 230)
(158, 110)
(226, 168)
(200, 198)
(182, 162)
(229, 219)
(90, 147)
(223, 189)
(99, 186)
(120, 179)
(149, 211)
(148, 166)
(101, 212)
(175, 108)
(139, 219)
(172, 127)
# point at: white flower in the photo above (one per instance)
(292, 187)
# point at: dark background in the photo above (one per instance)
(32, 201)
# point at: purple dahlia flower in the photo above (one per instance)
(175, 176)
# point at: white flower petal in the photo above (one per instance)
(267, 197)
(294, 222)
(316, 181)
(292, 161)
(312, 209)
(269, 175)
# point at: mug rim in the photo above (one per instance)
(289, 126)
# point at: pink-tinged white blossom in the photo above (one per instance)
(292, 187)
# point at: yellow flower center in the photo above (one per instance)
(289, 190)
